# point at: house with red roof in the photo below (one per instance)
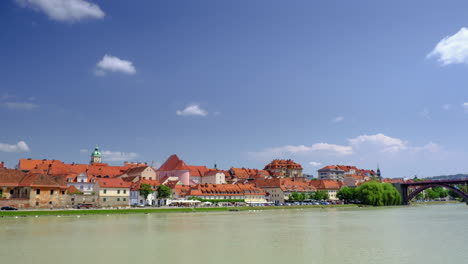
(246, 192)
(339, 172)
(139, 173)
(332, 187)
(279, 189)
(34, 189)
(176, 169)
(136, 198)
(112, 192)
(287, 168)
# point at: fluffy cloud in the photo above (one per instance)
(315, 164)
(465, 107)
(19, 105)
(192, 110)
(65, 10)
(111, 63)
(381, 141)
(452, 49)
(21, 146)
(337, 119)
(118, 156)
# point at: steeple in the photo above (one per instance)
(379, 176)
(96, 156)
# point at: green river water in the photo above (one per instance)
(415, 234)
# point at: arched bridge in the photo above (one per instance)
(409, 190)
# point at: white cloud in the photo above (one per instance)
(465, 107)
(446, 106)
(337, 119)
(315, 164)
(425, 113)
(111, 63)
(65, 10)
(429, 147)
(21, 146)
(383, 142)
(108, 155)
(332, 149)
(192, 110)
(19, 105)
(452, 49)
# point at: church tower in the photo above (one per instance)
(379, 176)
(96, 156)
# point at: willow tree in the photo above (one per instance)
(378, 194)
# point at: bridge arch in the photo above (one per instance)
(424, 187)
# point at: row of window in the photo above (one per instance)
(38, 191)
(118, 191)
(118, 199)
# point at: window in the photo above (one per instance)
(38, 191)
(125, 199)
(104, 199)
(51, 192)
(63, 192)
(105, 191)
(125, 191)
(11, 192)
(118, 199)
(118, 191)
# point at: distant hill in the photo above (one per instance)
(448, 177)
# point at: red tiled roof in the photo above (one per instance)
(278, 164)
(286, 184)
(112, 183)
(173, 163)
(326, 184)
(198, 171)
(10, 177)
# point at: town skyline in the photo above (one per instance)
(287, 81)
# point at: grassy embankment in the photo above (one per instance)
(158, 210)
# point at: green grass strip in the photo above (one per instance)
(155, 210)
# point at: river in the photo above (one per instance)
(414, 234)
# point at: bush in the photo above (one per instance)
(378, 194)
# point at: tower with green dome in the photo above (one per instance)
(96, 156)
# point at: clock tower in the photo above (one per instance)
(96, 156)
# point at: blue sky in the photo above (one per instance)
(237, 83)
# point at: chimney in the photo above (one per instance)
(2, 164)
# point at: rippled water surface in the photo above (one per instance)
(419, 234)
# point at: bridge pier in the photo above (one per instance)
(403, 190)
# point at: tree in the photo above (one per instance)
(378, 194)
(346, 193)
(431, 194)
(302, 196)
(164, 191)
(145, 190)
(321, 195)
(295, 196)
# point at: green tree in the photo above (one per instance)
(145, 190)
(164, 191)
(431, 194)
(321, 195)
(295, 196)
(378, 194)
(302, 196)
(346, 193)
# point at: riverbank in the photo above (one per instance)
(35, 213)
